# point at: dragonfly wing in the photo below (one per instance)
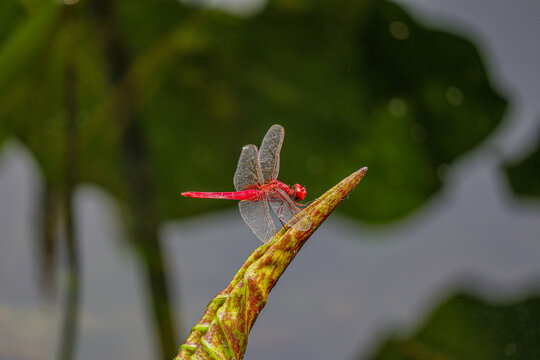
(248, 172)
(287, 211)
(269, 152)
(257, 216)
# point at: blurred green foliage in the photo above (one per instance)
(468, 328)
(353, 83)
(524, 176)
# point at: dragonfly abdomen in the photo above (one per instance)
(229, 195)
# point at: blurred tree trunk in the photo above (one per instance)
(68, 336)
(139, 178)
(46, 250)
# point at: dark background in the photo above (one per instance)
(110, 109)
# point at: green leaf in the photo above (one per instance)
(345, 89)
(18, 51)
(350, 81)
(524, 176)
(468, 328)
(223, 329)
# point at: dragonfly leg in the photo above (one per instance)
(280, 210)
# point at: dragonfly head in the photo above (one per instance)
(298, 192)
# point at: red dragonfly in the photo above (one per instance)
(258, 189)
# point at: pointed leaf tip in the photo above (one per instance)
(223, 330)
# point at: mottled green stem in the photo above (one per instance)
(223, 330)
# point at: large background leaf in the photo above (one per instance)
(410, 106)
(352, 84)
(467, 327)
(524, 176)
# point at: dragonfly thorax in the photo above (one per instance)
(297, 192)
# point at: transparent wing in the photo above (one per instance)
(287, 211)
(269, 152)
(248, 171)
(257, 216)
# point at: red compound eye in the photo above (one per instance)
(299, 192)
